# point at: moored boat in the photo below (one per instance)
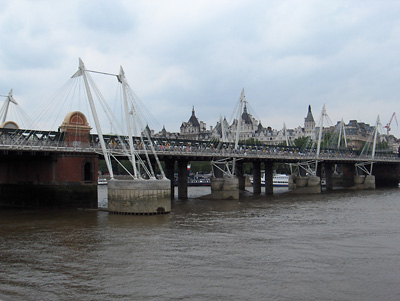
(101, 181)
(278, 180)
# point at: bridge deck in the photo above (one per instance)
(275, 154)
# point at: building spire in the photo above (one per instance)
(193, 111)
(310, 117)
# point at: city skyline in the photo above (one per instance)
(286, 55)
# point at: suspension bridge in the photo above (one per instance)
(58, 168)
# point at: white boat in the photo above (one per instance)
(278, 180)
(101, 181)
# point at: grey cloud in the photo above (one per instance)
(105, 16)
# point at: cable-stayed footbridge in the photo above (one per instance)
(66, 157)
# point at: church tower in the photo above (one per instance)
(309, 124)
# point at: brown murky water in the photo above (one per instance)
(338, 246)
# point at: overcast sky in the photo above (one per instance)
(176, 54)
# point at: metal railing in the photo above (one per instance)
(190, 150)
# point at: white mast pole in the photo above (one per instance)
(239, 118)
(378, 121)
(375, 137)
(342, 130)
(340, 133)
(122, 79)
(323, 113)
(285, 134)
(222, 129)
(239, 125)
(10, 98)
(82, 71)
(287, 144)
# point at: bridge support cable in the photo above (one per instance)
(230, 164)
(129, 123)
(114, 121)
(135, 121)
(227, 164)
(6, 105)
(115, 158)
(12, 115)
(363, 165)
(121, 78)
(287, 144)
(311, 167)
(239, 127)
(321, 127)
(82, 72)
(342, 135)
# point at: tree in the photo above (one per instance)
(302, 142)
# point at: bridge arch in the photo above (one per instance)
(88, 171)
(75, 118)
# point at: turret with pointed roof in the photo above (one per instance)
(309, 124)
(194, 128)
(193, 120)
(246, 117)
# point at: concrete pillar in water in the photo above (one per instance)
(292, 182)
(240, 175)
(369, 182)
(328, 176)
(256, 177)
(182, 179)
(348, 175)
(269, 177)
(139, 196)
(307, 185)
(223, 187)
(170, 174)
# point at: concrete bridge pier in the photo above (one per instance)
(306, 184)
(240, 175)
(139, 196)
(353, 178)
(223, 187)
(328, 167)
(256, 177)
(349, 171)
(170, 174)
(364, 182)
(182, 179)
(269, 177)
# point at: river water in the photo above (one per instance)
(336, 246)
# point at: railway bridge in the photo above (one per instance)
(54, 169)
(59, 168)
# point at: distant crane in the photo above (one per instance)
(387, 126)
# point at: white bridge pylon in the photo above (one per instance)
(6, 106)
(227, 137)
(363, 165)
(12, 115)
(311, 167)
(132, 122)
